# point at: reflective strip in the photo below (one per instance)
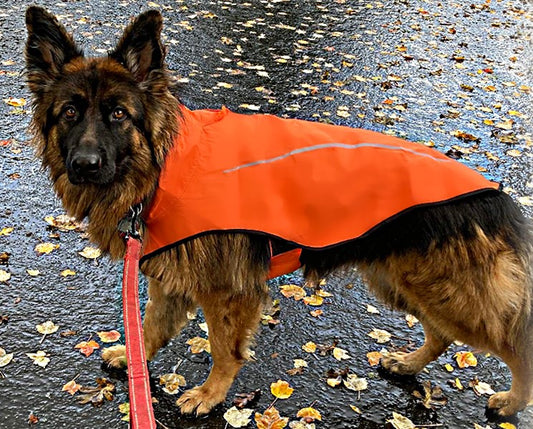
(333, 145)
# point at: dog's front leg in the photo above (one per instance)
(232, 319)
(165, 315)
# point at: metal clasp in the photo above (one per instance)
(130, 225)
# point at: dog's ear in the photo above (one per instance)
(48, 48)
(140, 49)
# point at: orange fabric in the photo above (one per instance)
(310, 183)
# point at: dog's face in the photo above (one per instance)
(92, 113)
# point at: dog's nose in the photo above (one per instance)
(87, 164)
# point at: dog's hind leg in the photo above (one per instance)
(232, 319)
(412, 363)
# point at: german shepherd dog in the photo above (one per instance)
(102, 128)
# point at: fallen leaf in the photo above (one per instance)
(380, 335)
(125, 409)
(71, 387)
(355, 409)
(371, 309)
(64, 223)
(243, 399)
(309, 347)
(300, 363)
(4, 276)
(340, 354)
(401, 422)
(97, 395)
(46, 248)
(353, 382)
(313, 300)
(481, 388)
(309, 414)
(6, 231)
(432, 396)
(32, 419)
(465, 359)
(33, 273)
(293, 291)
(90, 252)
(68, 272)
(39, 358)
(270, 419)
(281, 389)
(5, 358)
(374, 358)
(334, 381)
(172, 382)
(316, 313)
(108, 336)
(15, 102)
(87, 347)
(507, 425)
(47, 328)
(411, 320)
(238, 418)
(199, 345)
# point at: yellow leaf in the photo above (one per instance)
(357, 410)
(6, 231)
(90, 252)
(281, 389)
(224, 85)
(322, 293)
(457, 383)
(507, 425)
(514, 153)
(47, 327)
(46, 248)
(199, 345)
(465, 359)
(309, 347)
(125, 409)
(340, 354)
(33, 273)
(310, 414)
(66, 273)
(314, 300)
(293, 291)
(401, 422)
(4, 276)
(316, 313)
(448, 367)
(15, 102)
(334, 382)
(374, 358)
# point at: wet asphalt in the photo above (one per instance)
(422, 70)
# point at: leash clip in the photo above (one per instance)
(130, 225)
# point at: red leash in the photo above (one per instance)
(141, 411)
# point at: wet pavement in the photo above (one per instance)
(455, 75)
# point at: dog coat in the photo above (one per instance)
(313, 184)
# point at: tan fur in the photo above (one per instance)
(476, 290)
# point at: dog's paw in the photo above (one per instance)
(200, 400)
(115, 356)
(400, 363)
(505, 404)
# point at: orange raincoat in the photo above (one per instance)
(313, 184)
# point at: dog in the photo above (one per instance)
(104, 129)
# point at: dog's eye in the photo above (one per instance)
(118, 114)
(70, 113)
